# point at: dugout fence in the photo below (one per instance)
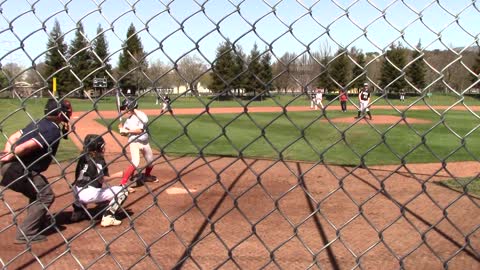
(250, 178)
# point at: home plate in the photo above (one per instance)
(176, 190)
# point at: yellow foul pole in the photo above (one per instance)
(54, 86)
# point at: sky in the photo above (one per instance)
(171, 29)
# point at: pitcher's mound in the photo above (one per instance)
(381, 119)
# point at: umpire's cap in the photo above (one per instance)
(54, 107)
(129, 104)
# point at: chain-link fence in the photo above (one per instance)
(239, 134)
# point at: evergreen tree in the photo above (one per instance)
(253, 82)
(358, 70)
(81, 60)
(417, 70)
(101, 58)
(55, 60)
(394, 62)
(340, 69)
(324, 80)
(222, 71)
(476, 70)
(132, 64)
(239, 69)
(3, 80)
(266, 73)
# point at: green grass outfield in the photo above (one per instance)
(148, 102)
(304, 136)
(467, 185)
(283, 136)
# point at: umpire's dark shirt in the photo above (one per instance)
(47, 134)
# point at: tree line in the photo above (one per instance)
(234, 72)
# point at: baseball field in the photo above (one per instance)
(270, 189)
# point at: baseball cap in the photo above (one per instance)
(54, 107)
(365, 84)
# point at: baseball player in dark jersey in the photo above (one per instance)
(312, 100)
(166, 106)
(364, 102)
(28, 153)
(90, 174)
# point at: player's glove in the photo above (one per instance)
(123, 131)
(65, 130)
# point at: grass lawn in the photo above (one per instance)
(468, 185)
(296, 136)
(305, 136)
(148, 102)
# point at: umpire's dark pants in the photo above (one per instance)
(36, 188)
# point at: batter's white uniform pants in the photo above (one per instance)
(136, 148)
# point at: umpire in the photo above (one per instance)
(28, 153)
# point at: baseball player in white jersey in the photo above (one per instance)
(319, 98)
(135, 127)
(364, 102)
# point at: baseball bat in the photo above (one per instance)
(117, 97)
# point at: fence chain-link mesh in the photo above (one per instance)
(257, 165)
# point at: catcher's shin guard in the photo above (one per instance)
(116, 202)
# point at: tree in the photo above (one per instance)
(222, 72)
(55, 60)
(266, 73)
(340, 69)
(416, 71)
(11, 73)
(101, 57)
(132, 63)
(324, 56)
(304, 70)
(391, 79)
(190, 69)
(253, 83)
(239, 69)
(282, 71)
(34, 75)
(3, 80)
(476, 70)
(358, 69)
(81, 60)
(159, 75)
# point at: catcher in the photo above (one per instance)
(90, 174)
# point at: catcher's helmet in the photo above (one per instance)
(129, 104)
(93, 143)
